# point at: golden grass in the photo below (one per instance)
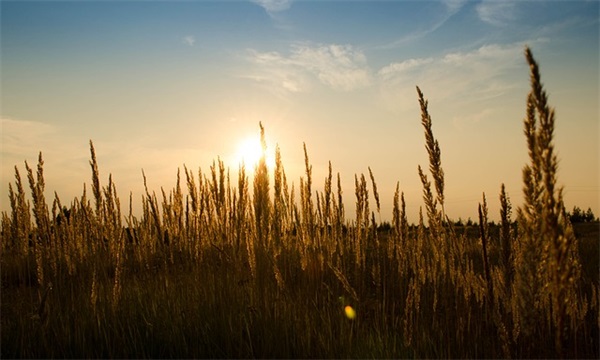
(222, 269)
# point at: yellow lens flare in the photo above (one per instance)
(349, 311)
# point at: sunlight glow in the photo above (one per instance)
(250, 151)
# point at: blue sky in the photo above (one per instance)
(157, 85)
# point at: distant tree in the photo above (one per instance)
(575, 215)
(578, 215)
(589, 216)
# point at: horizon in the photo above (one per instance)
(157, 85)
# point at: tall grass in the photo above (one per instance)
(239, 268)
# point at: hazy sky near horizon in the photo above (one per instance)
(157, 85)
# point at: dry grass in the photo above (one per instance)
(240, 269)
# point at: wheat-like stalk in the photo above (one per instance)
(433, 149)
(375, 192)
(484, 234)
(40, 212)
(547, 233)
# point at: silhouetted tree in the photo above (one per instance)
(578, 215)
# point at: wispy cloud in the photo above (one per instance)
(454, 6)
(23, 137)
(479, 74)
(475, 75)
(274, 6)
(485, 54)
(396, 68)
(466, 120)
(497, 13)
(276, 72)
(451, 7)
(340, 67)
(189, 40)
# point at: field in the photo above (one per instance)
(237, 268)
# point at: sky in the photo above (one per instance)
(159, 85)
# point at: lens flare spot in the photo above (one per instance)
(349, 311)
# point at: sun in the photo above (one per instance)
(250, 151)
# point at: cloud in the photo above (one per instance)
(497, 13)
(396, 68)
(475, 75)
(485, 53)
(480, 74)
(20, 137)
(339, 67)
(273, 6)
(462, 121)
(454, 6)
(451, 7)
(189, 40)
(276, 72)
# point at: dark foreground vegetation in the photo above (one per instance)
(239, 269)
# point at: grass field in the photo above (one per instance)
(236, 268)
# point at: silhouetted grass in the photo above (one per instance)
(233, 268)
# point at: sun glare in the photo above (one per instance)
(250, 151)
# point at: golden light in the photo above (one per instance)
(250, 151)
(350, 313)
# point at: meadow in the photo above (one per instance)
(237, 268)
